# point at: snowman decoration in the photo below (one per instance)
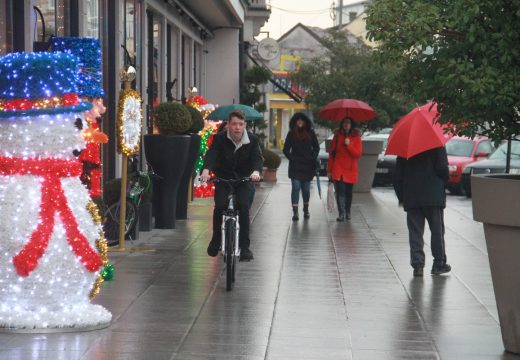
(52, 247)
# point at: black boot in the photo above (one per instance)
(295, 213)
(306, 214)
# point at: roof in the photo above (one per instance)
(317, 32)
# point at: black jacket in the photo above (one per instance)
(230, 164)
(420, 181)
(302, 155)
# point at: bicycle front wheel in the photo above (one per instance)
(230, 253)
(111, 221)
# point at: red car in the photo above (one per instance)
(462, 151)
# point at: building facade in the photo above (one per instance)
(174, 45)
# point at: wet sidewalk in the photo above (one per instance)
(317, 289)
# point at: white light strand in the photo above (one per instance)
(56, 293)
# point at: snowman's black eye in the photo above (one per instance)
(78, 123)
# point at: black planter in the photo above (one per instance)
(145, 216)
(182, 196)
(167, 155)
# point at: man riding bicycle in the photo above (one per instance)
(234, 154)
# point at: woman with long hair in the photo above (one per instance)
(301, 148)
(344, 152)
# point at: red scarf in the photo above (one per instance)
(53, 201)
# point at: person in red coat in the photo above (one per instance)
(344, 152)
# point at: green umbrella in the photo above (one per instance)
(222, 112)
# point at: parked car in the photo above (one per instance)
(461, 152)
(385, 167)
(496, 164)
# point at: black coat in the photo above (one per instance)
(230, 164)
(420, 181)
(302, 155)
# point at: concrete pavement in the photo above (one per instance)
(317, 289)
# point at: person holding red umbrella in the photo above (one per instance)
(345, 150)
(420, 187)
(420, 178)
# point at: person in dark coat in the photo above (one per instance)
(419, 184)
(234, 154)
(301, 148)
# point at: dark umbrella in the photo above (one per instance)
(222, 112)
(339, 109)
(318, 185)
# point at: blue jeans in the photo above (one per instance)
(304, 186)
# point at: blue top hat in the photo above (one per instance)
(39, 83)
(88, 52)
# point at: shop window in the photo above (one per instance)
(157, 63)
(6, 27)
(197, 62)
(129, 33)
(51, 19)
(91, 18)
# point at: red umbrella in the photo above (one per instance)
(416, 132)
(339, 109)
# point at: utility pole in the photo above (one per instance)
(340, 13)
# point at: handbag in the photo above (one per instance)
(331, 197)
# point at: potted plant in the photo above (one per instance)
(271, 163)
(185, 188)
(167, 153)
(453, 55)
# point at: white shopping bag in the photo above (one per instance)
(331, 197)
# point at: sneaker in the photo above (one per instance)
(443, 269)
(246, 255)
(213, 248)
(418, 271)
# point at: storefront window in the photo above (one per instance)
(6, 27)
(129, 33)
(187, 70)
(51, 19)
(197, 62)
(91, 19)
(156, 59)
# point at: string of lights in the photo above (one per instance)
(51, 253)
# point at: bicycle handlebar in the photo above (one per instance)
(229, 181)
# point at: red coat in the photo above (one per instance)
(343, 166)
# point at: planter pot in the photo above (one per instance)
(167, 155)
(184, 193)
(496, 203)
(269, 175)
(367, 164)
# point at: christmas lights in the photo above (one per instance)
(90, 87)
(51, 249)
(129, 122)
(88, 51)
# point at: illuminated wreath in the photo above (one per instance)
(129, 122)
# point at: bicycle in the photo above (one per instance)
(139, 183)
(230, 230)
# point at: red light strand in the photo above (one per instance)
(52, 200)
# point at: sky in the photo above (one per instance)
(287, 13)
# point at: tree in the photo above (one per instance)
(462, 55)
(250, 95)
(349, 71)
